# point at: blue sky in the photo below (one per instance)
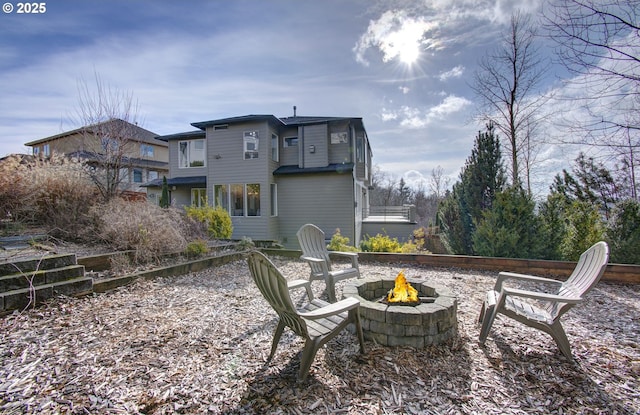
(404, 67)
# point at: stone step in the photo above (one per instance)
(21, 298)
(43, 276)
(31, 265)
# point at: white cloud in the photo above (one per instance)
(455, 72)
(394, 34)
(411, 117)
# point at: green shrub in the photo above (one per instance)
(584, 228)
(216, 220)
(340, 243)
(196, 248)
(380, 243)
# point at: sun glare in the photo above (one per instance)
(409, 53)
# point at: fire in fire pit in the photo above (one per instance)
(402, 292)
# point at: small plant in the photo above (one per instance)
(196, 248)
(245, 244)
(381, 243)
(340, 243)
(216, 219)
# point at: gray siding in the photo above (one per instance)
(227, 165)
(314, 145)
(289, 155)
(175, 171)
(326, 200)
(341, 152)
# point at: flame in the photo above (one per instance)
(403, 292)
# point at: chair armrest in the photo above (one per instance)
(294, 284)
(503, 276)
(332, 309)
(345, 254)
(311, 259)
(540, 296)
(351, 255)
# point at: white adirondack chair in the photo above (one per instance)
(544, 312)
(314, 251)
(317, 321)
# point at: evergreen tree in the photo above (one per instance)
(623, 232)
(553, 227)
(509, 228)
(164, 198)
(480, 180)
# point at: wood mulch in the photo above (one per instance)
(198, 343)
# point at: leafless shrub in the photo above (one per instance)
(54, 192)
(148, 230)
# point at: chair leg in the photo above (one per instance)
(488, 314)
(355, 317)
(331, 290)
(308, 354)
(276, 338)
(557, 332)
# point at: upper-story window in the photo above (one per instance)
(250, 141)
(109, 145)
(275, 151)
(191, 153)
(290, 141)
(146, 150)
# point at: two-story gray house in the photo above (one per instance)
(273, 175)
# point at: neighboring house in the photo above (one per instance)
(145, 158)
(273, 175)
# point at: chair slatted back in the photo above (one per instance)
(312, 243)
(585, 276)
(273, 287)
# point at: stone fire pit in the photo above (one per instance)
(421, 325)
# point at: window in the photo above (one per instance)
(109, 145)
(153, 175)
(237, 200)
(124, 175)
(275, 153)
(241, 196)
(137, 176)
(198, 197)
(274, 199)
(146, 150)
(290, 141)
(191, 153)
(45, 150)
(250, 140)
(221, 196)
(360, 150)
(253, 200)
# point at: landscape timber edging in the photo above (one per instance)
(104, 285)
(617, 273)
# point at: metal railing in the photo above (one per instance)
(387, 212)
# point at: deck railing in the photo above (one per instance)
(390, 212)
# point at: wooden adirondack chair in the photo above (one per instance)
(317, 321)
(314, 251)
(544, 312)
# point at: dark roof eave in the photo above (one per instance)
(233, 120)
(339, 168)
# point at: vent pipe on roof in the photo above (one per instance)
(294, 110)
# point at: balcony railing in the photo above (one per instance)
(390, 213)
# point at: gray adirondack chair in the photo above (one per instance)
(317, 321)
(541, 310)
(314, 251)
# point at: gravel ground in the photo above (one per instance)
(198, 343)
